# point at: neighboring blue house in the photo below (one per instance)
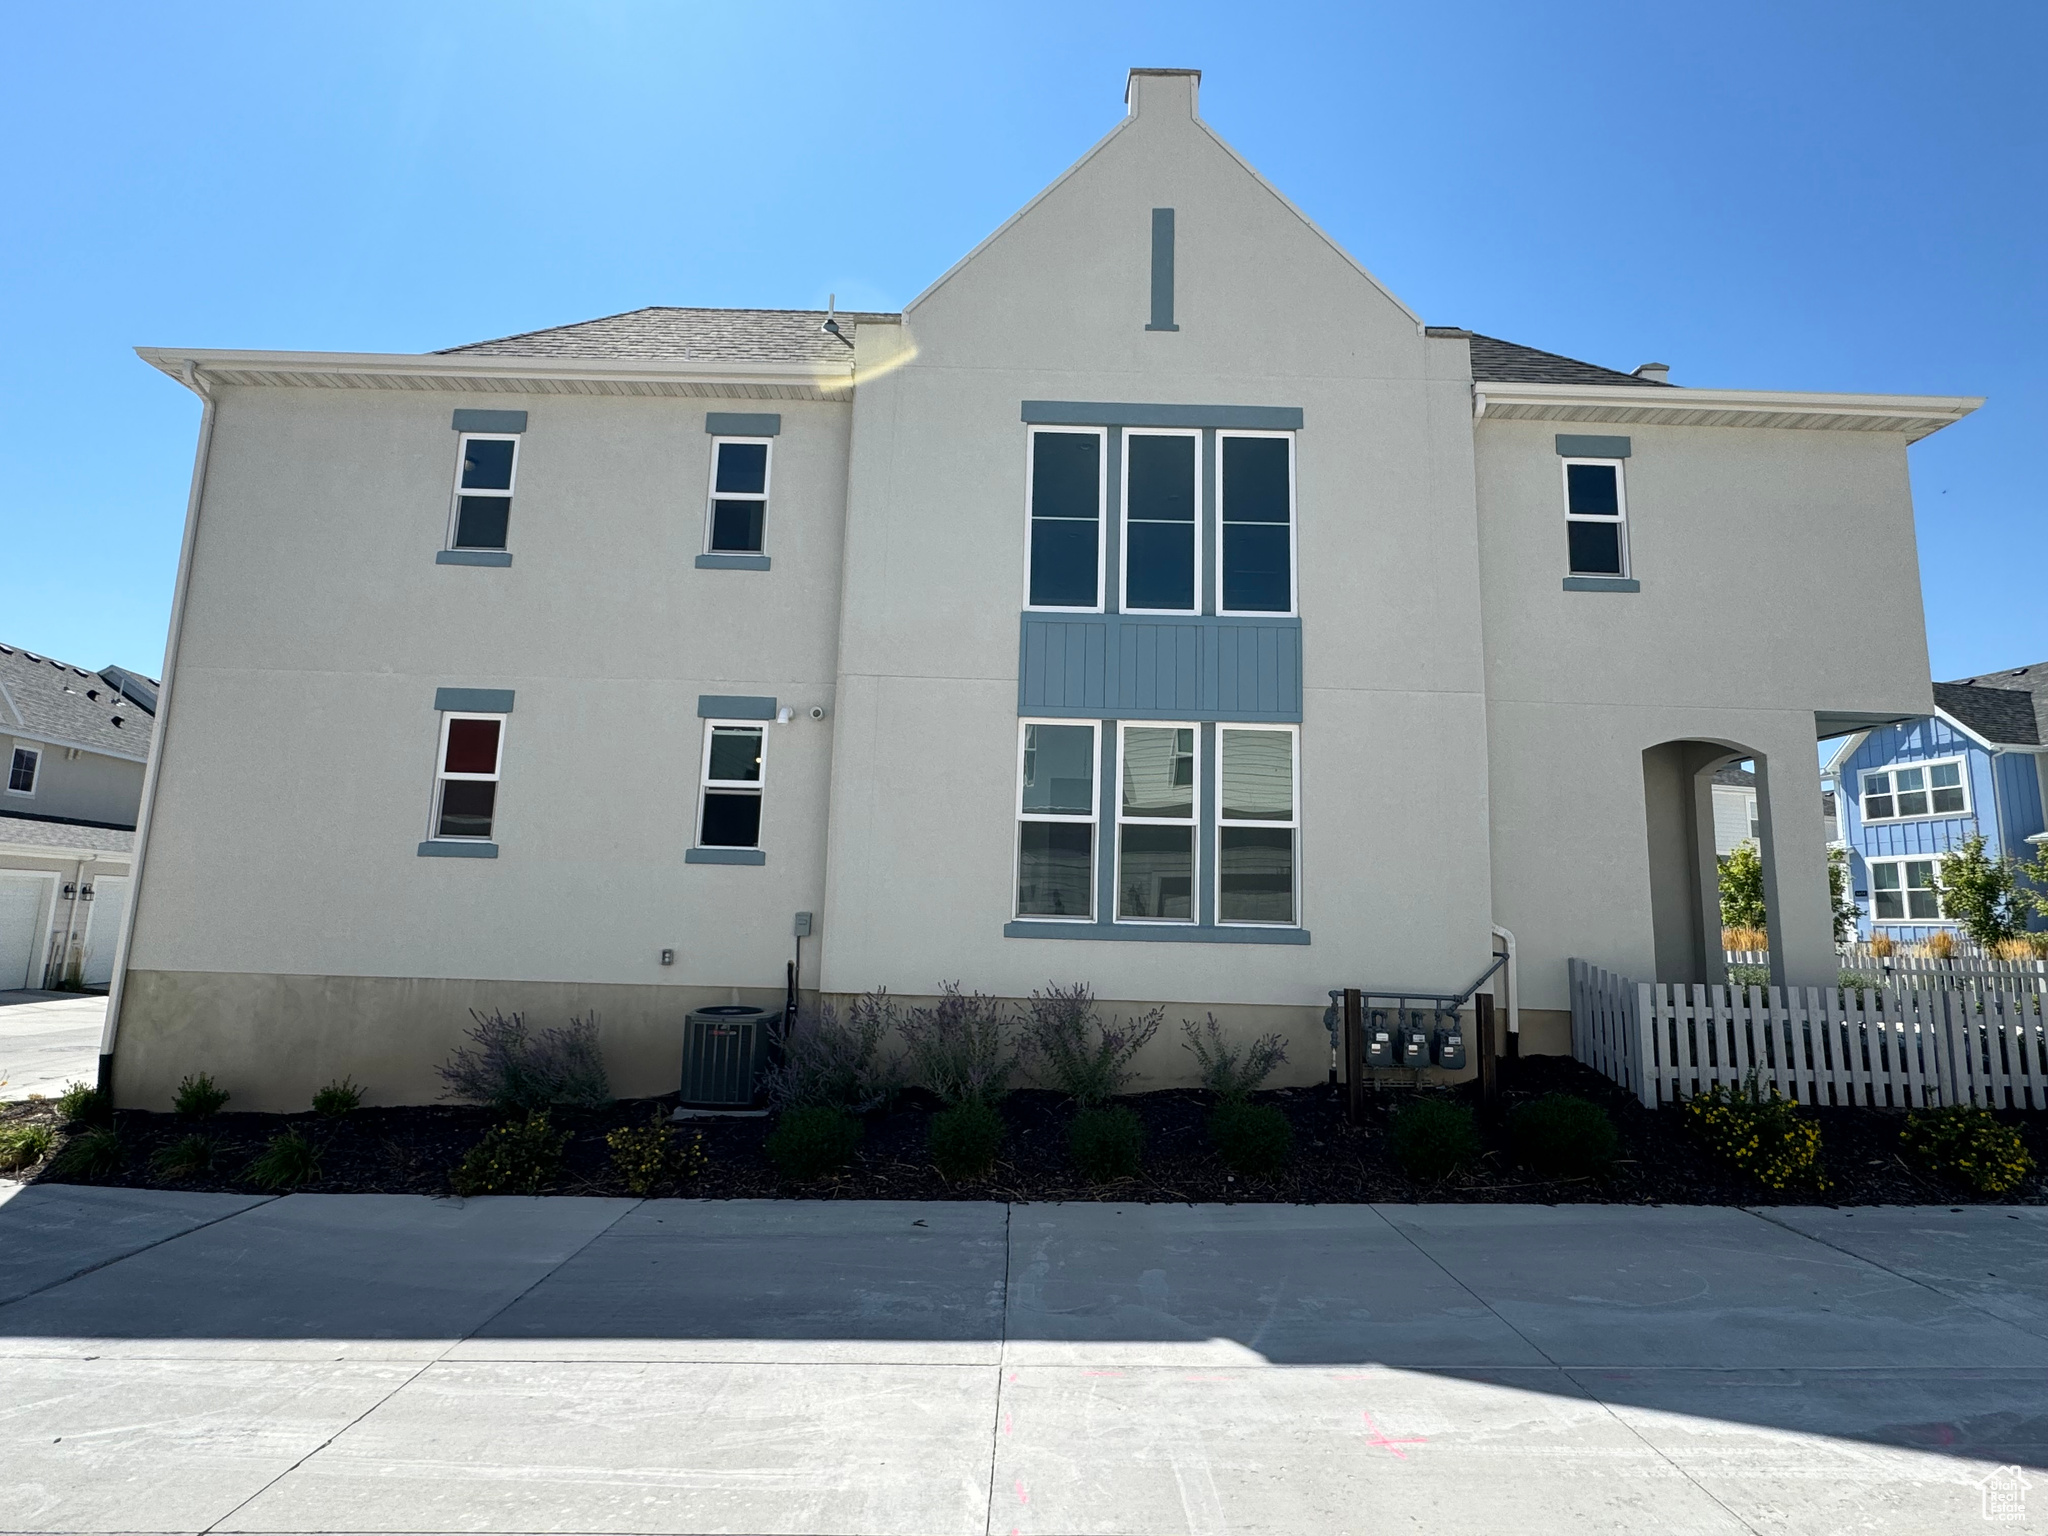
(1908, 793)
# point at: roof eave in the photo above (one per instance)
(1916, 416)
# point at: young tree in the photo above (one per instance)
(1742, 887)
(1981, 893)
(1846, 915)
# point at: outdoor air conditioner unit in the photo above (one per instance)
(723, 1050)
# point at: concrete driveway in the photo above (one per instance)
(386, 1363)
(48, 1041)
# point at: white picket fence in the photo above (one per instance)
(1911, 1045)
(1971, 963)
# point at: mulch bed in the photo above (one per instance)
(411, 1151)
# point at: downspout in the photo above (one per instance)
(1514, 981)
(70, 920)
(117, 986)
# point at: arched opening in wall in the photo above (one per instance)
(1684, 860)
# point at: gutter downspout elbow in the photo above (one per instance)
(1514, 980)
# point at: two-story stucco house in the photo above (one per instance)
(1156, 601)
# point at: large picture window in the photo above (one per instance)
(1162, 495)
(1255, 537)
(738, 517)
(1596, 517)
(1902, 891)
(1157, 798)
(483, 490)
(1925, 789)
(1066, 481)
(1258, 820)
(1056, 814)
(466, 784)
(729, 815)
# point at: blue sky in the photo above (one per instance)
(1799, 196)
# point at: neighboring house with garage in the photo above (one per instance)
(74, 743)
(1920, 788)
(1155, 601)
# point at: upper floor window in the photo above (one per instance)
(466, 782)
(730, 813)
(1161, 555)
(738, 516)
(1255, 539)
(1902, 891)
(1065, 486)
(21, 773)
(1056, 811)
(483, 490)
(1596, 517)
(1926, 789)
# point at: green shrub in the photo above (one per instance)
(1073, 1050)
(200, 1097)
(1765, 1137)
(812, 1140)
(287, 1162)
(1749, 975)
(1563, 1136)
(23, 1146)
(94, 1154)
(1251, 1138)
(509, 1068)
(656, 1156)
(79, 1103)
(964, 1140)
(1433, 1139)
(187, 1158)
(828, 1064)
(1969, 1146)
(515, 1158)
(1232, 1071)
(1859, 981)
(963, 1048)
(1106, 1144)
(338, 1098)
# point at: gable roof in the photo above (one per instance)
(53, 701)
(60, 834)
(1507, 362)
(2009, 708)
(696, 335)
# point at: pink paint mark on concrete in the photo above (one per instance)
(1006, 1421)
(1102, 1373)
(1022, 1496)
(1376, 1436)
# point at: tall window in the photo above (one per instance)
(1256, 538)
(1056, 809)
(483, 490)
(739, 495)
(1066, 493)
(1258, 817)
(21, 773)
(1902, 891)
(730, 816)
(1156, 800)
(1927, 789)
(466, 791)
(1160, 498)
(1596, 517)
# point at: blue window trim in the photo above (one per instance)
(734, 706)
(743, 423)
(439, 849)
(489, 421)
(732, 562)
(1602, 584)
(474, 701)
(1104, 413)
(473, 557)
(1571, 446)
(724, 856)
(1155, 933)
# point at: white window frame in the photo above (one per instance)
(1093, 819)
(1933, 861)
(1294, 822)
(442, 776)
(706, 784)
(1564, 481)
(35, 772)
(713, 496)
(1123, 520)
(1891, 771)
(463, 440)
(1102, 515)
(1192, 821)
(1293, 608)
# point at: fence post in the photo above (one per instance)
(1648, 1076)
(1354, 1056)
(1489, 1077)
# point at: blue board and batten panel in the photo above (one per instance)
(1117, 666)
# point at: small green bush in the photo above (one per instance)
(1969, 1146)
(1070, 1048)
(1563, 1137)
(812, 1140)
(515, 1158)
(338, 1098)
(1433, 1139)
(291, 1159)
(657, 1156)
(1765, 1137)
(1251, 1138)
(188, 1157)
(1859, 981)
(79, 1103)
(23, 1146)
(964, 1140)
(94, 1154)
(1106, 1144)
(200, 1097)
(1749, 975)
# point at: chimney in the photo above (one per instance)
(1162, 91)
(1654, 373)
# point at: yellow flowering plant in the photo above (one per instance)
(1968, 1145)
(1762, 1135)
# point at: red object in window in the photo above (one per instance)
(472, 746)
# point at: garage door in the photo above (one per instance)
(21, 925)
(103, 927)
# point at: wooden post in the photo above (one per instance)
(1489, 1074)
(1354, 1055)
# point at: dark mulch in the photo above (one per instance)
(412, 1151)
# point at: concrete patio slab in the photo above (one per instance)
(51, 1232)
(633, 1447)
(1238, 1284)
(48, 1041)
(1699, 1286)
(757, 1280)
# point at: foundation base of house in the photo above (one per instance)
(1546, 1032)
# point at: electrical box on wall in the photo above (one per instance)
(802, 927)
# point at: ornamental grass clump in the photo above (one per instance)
(964, 1140)
(509, 1068)
(1764, 1136)
(290, 1160)
(812, 1140)
(833, 1064)
(1433, 1138)
(962, 1049)
(1563, 1136)
(338, 1098)
(654, 1157)
(1106, 1144)
(1072, 1049)
(189, 1157)
(94, 1154)
(23, 1146)
(516, 1158)
(1969, 1146)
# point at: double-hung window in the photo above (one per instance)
(1056, 810)
(1162, 493)
(1596, 517)
(483, 490)
(1157, 798)
(1902, 891)
(466, 783)
(1255, 533)
(21, 773)
(1065, 483)
(736, 522)
(1926, 789)
(730, 813)
(1258, 807)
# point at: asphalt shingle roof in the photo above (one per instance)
(2010, 708)
(698, 335)
(49, 832)
(1508, 362)
(55, 701)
